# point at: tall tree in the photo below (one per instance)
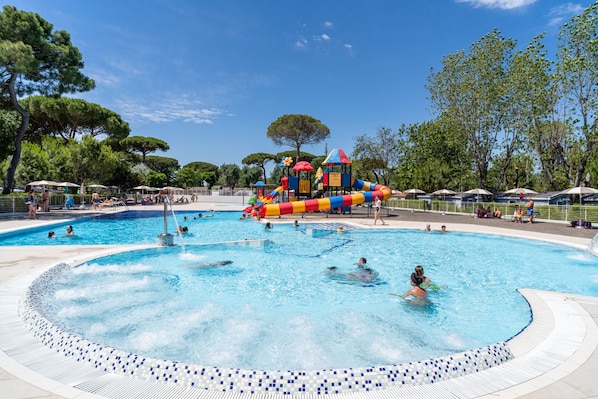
(167, 166)
(34, 59)
(433, 157)
(91, 161)
(9, 124)
(259, 159)
(69, 117)
(472, 91)
(537, 104)
(229, 175)
(202, 172)
(577, 64)
(378, 154)
(144, 145)
(250, 175)
(35, 165)
(296, 130)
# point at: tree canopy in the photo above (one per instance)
(378, 154)
(259, 159)
(144, 145)
(34, 59)
(578, 71)
(297, 130)
(472, 91)
(69, 117)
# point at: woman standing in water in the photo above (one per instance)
(419, 282)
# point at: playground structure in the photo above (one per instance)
(334, 189)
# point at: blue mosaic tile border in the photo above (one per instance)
(319, 382)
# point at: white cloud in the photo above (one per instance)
(325, 37)
(563, 12)
(328, 25)
(301, 42)
(502, 4)
(567, 9)
(169, 111)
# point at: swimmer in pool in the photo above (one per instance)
(419, 282)
(364, 274)
(361, 263)
(69, 230)
(213, 264)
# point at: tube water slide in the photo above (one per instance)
(369, 192)
(277, 191)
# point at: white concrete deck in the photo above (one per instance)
(556, 356)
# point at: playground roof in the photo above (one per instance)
(337, 157)
(303, 166)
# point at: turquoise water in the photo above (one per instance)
(133, 227)
(278, 307)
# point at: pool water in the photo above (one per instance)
(135, 227)
(278, 306)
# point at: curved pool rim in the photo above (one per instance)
(540, 237)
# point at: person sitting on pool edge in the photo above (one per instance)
(419, 282)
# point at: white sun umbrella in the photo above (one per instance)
(581, 190)
(143, 188)
(478, 192)
(97, 186)
(67, 184)
(414, 191)
(444, 191)
(521, 190)
(43, 183)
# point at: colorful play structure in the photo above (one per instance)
(331, 189)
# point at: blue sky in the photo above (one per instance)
(209, 77)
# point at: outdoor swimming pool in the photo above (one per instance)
(276, 307)
(135, 227)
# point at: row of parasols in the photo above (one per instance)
(581, 190)
(44, 183)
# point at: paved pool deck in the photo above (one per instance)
(555, 357)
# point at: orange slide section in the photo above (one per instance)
(369, 192)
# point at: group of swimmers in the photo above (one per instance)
(185, 229)
(420, 283)
(69, 232)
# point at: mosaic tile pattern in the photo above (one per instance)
(320, 382)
